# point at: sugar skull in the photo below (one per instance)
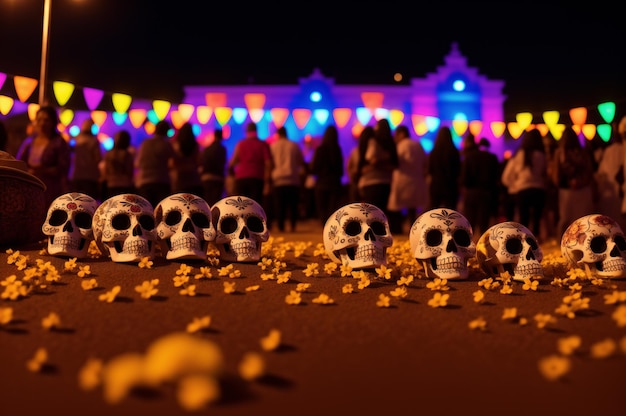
(124, 228)
(241, 228)
(510, 247)
(442, 239)
(184, 227)
(596, 244)
(357, 235)
(68, 225)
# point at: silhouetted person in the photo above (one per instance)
(327, 167)
(444, 168)
(213, 165)
(153, 164)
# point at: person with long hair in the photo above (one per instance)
(378, 158)
(526, 175)
(444, 169)
(573, 175)
(327, 167)
(47, 154)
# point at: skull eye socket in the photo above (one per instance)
(200, 220)
(255, 224)
(147, 222)
(620, 242)
(228, 225)
(598, 244)
(353, 228)
(120, 222)
(434, 238)
(83, 220)
(462, 238)
(173, 217)
(58, 217)
(514, 245)
(532, 243)
(378, 228)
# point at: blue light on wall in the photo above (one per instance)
(458, 85)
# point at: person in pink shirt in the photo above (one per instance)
(251, 164)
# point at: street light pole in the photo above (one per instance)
(44, 52)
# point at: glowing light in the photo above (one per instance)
(3, 77)
(458, 85)
(24, 87)
(476, 127)
(279, 116)
(357, 128)
(149, 127)
(215, 99)
(32, 111)
(497, 128)
(254, 100)
(161, 108)
(321, 115)
(419, 124)
(589, 131)
(372, 100)
(121, 102)
(137, 117)
(66, 116)
(6, 104)
(381, 113)
(152, 117)
(524, 120)
(459, 126)
(62, 91)
(433, 123)
(395, 118)
(551, 118)
(74, 130)
(203, 114)
(342, 116)
(397, 77)
(301, 116)
(557, 131)
(256, 114)
(607, 111)
(578, 115)
(93, 97)
(515, 129)
(177, 119)
(99, 117)
(604, 131)
(223, 115)
(363, 115)
(315, 97)
(186, 111)
(119, 118)
(427, 144)
(239, 115)
(107, 142)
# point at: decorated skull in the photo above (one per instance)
(124, 228)
(68, 225)
(184, 227)
(596, 244)
(357, 235)
(442, 239)
(510, 247)
(241, 228)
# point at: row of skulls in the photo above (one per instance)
(442, 241)
(128, 229)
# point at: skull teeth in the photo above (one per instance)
(184, 243)
(67, 242)
(449, 263)
(528, 270)
(612, 265)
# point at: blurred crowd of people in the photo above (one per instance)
(545, 184)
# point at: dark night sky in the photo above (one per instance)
(555, 56)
